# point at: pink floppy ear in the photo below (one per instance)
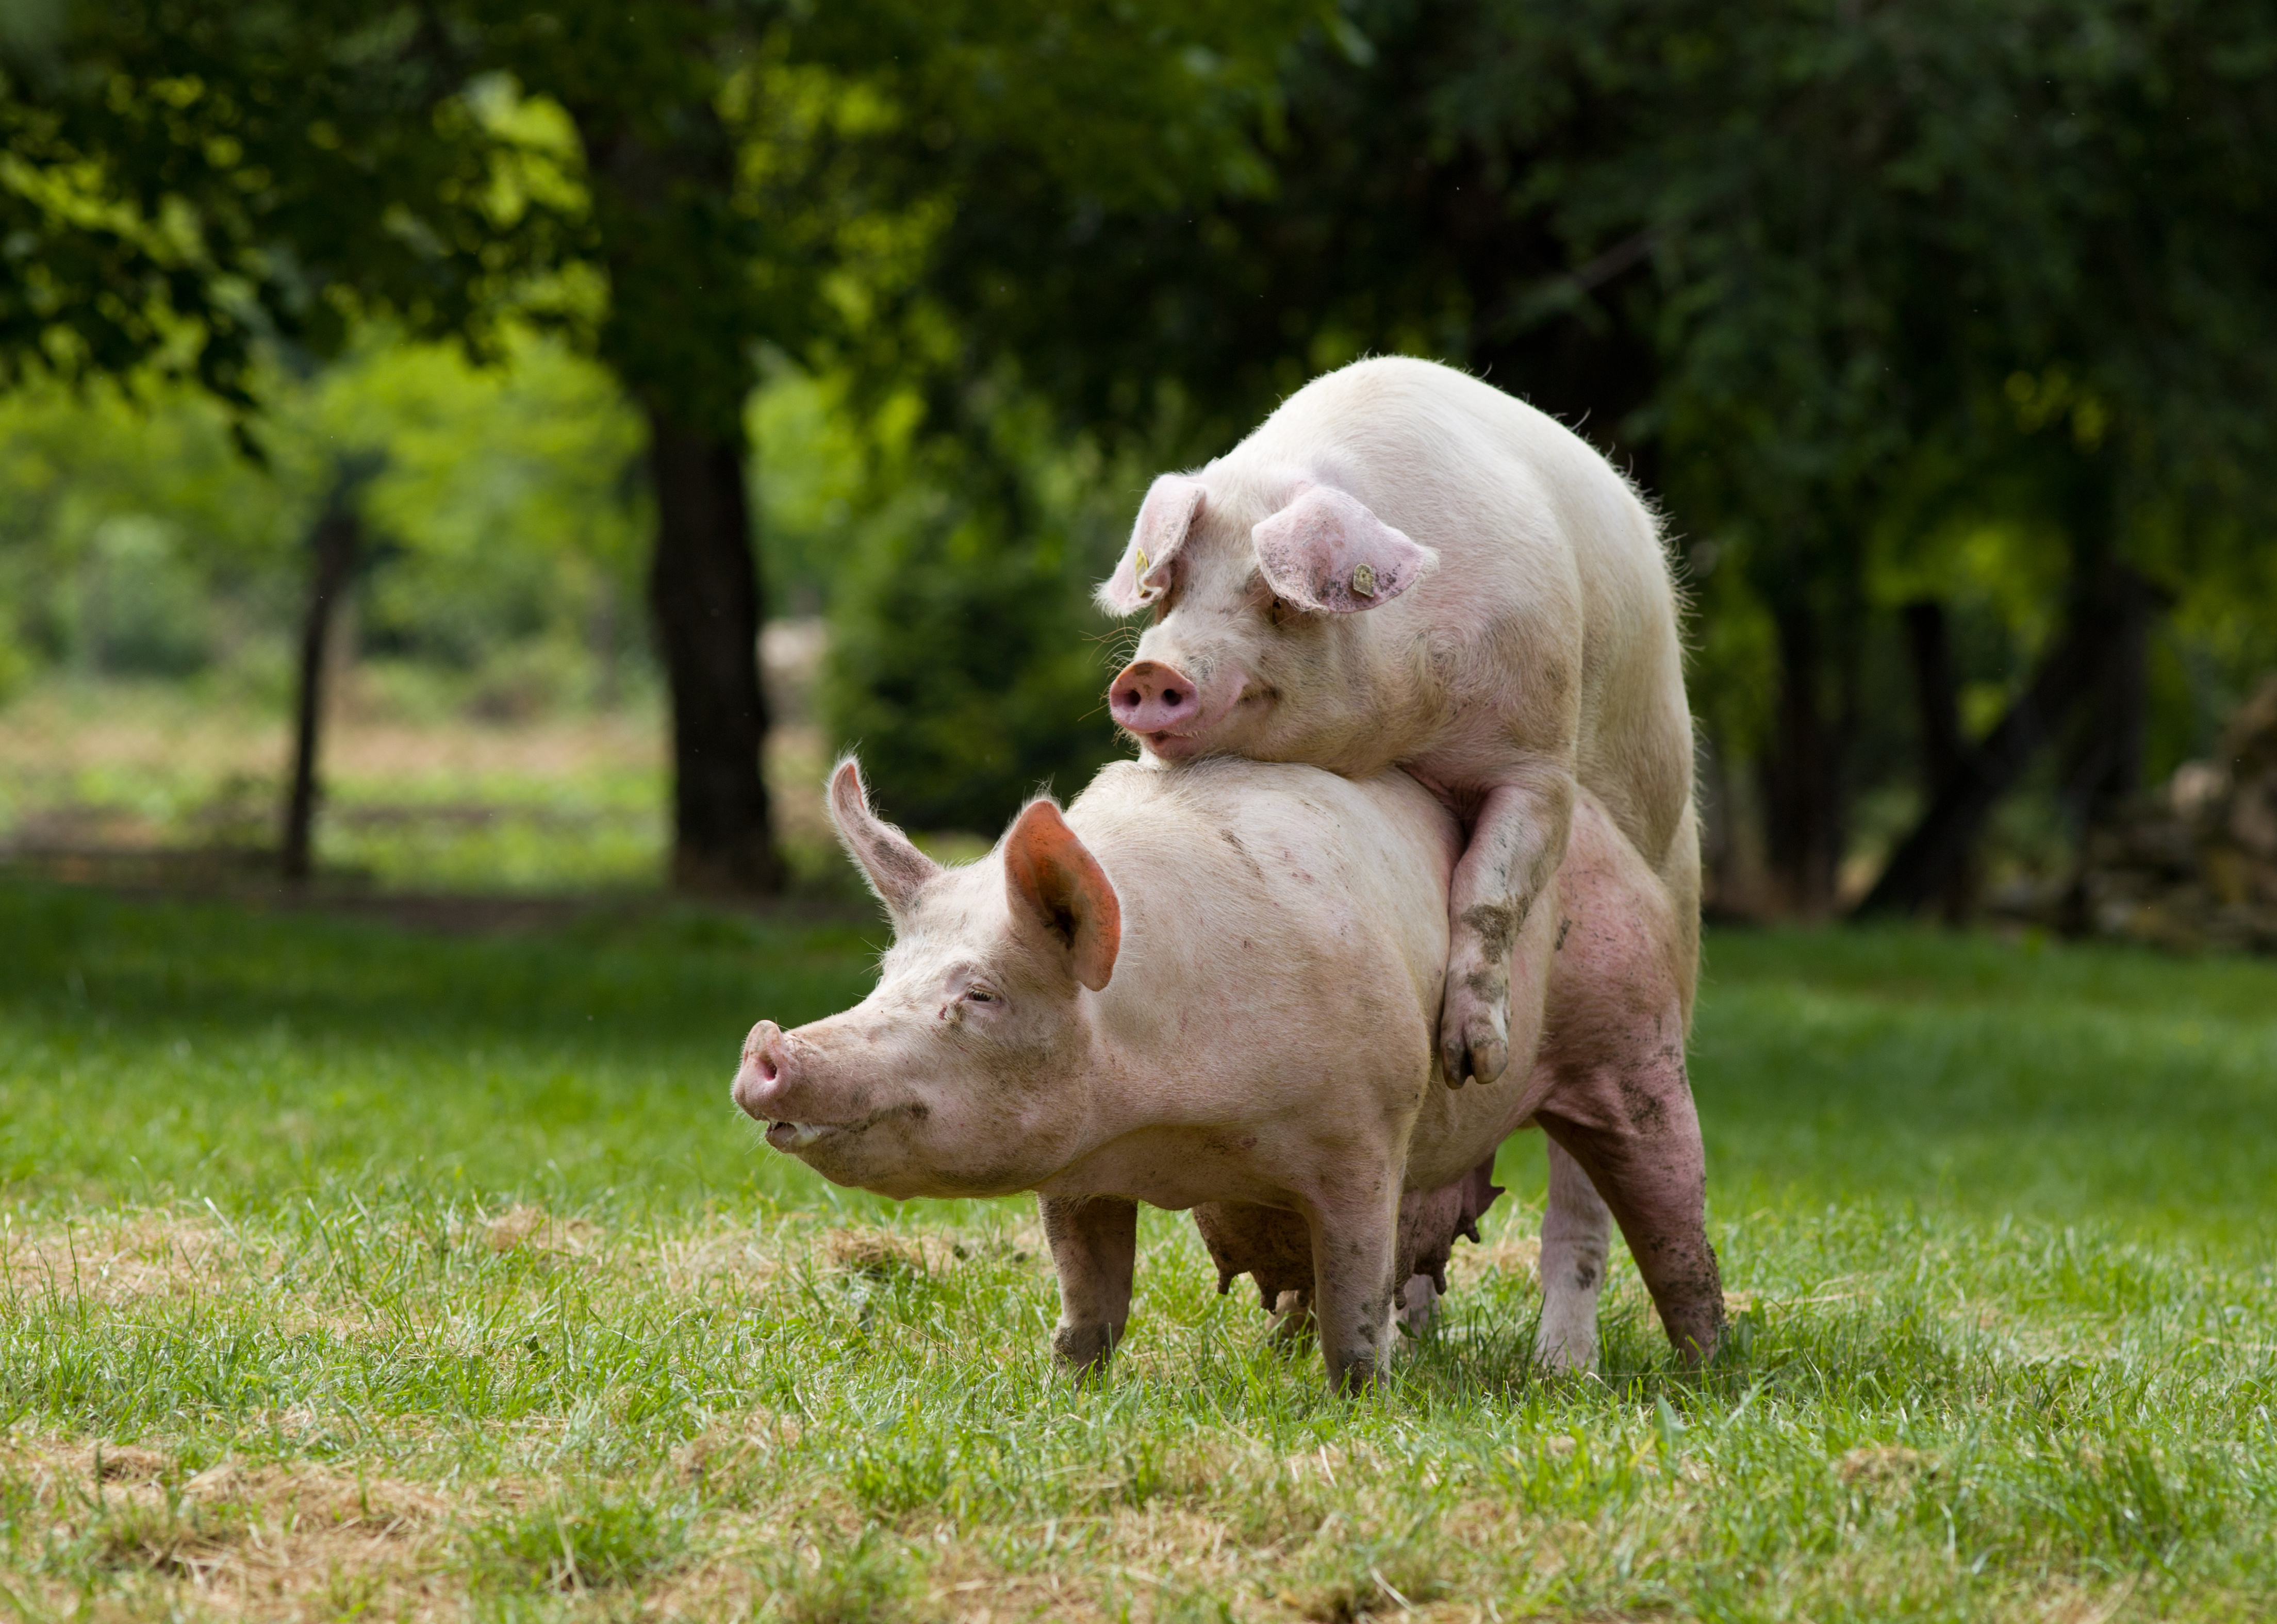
(1057, 885)
(1172, 505)
(1326, 550)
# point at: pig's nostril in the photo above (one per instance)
(767, 1069)
(1173, 699)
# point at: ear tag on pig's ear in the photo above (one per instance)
(1327, 552)
(1173, 502)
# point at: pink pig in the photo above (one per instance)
(1216, 987)
(1404, 566)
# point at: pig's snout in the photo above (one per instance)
(1152, 697)
(759, 1079)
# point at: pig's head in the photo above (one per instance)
(965, 1072)
(1254, 594)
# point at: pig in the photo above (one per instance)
(1216, 987)
(1404, 567)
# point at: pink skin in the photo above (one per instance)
(1404, 567)
(1243, 1016)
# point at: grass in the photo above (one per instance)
(351, 1273)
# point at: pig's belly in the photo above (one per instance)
(1458, 1128)
(1178, 1167)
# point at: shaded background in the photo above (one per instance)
(476, 381)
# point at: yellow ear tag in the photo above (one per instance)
(1143, 567)
(1363, 580)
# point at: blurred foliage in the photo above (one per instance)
(134, 540)
(1937, 301)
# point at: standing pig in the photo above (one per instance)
(1216, 987)
(1404, 566)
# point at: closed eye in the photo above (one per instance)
(979, 995)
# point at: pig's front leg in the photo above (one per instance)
(1353, 1243)
(1517, 839)
(1094, 1242)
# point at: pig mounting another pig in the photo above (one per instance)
(1216, 987)
(1404, 567)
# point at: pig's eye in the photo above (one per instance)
(979, 995)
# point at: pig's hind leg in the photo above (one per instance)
(1620, 1106)
(1094, 1242)
(1577, 1229)
(1638, 1138)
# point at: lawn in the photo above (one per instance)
(353, 1272)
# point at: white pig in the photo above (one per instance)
(1215, 986)
(1404, 567)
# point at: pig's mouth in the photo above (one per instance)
(791, 1138)
(1177, 744)
(794, 1136)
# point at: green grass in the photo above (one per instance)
(355, 1273)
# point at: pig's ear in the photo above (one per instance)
(1326, 550)
(1057, 885)
(1172, 505)
(895, 868)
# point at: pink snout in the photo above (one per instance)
(1152, 697)
(759, 1081)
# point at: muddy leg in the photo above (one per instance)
(1517, 837)
(1633, 1128)
(1576, 1228)
(1353, 1247)
(1094, 1242)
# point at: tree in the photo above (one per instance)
(665, 181)
(1804, 270)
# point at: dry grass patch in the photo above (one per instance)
(119, 1260)
(530, 1228)
(255, 1541)
(881, 1254)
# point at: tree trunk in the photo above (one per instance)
(333, 546)
(2111, 613)
(703, 588)
(2106, 765)
(1802, 771)
(1923, 866)
(678, 334)
(1928, 647)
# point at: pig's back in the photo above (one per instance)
(1527, 519)
(1270, 890)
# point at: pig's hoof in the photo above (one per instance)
(1473, 1038)
(1569, 1351)
(1084, 1350)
